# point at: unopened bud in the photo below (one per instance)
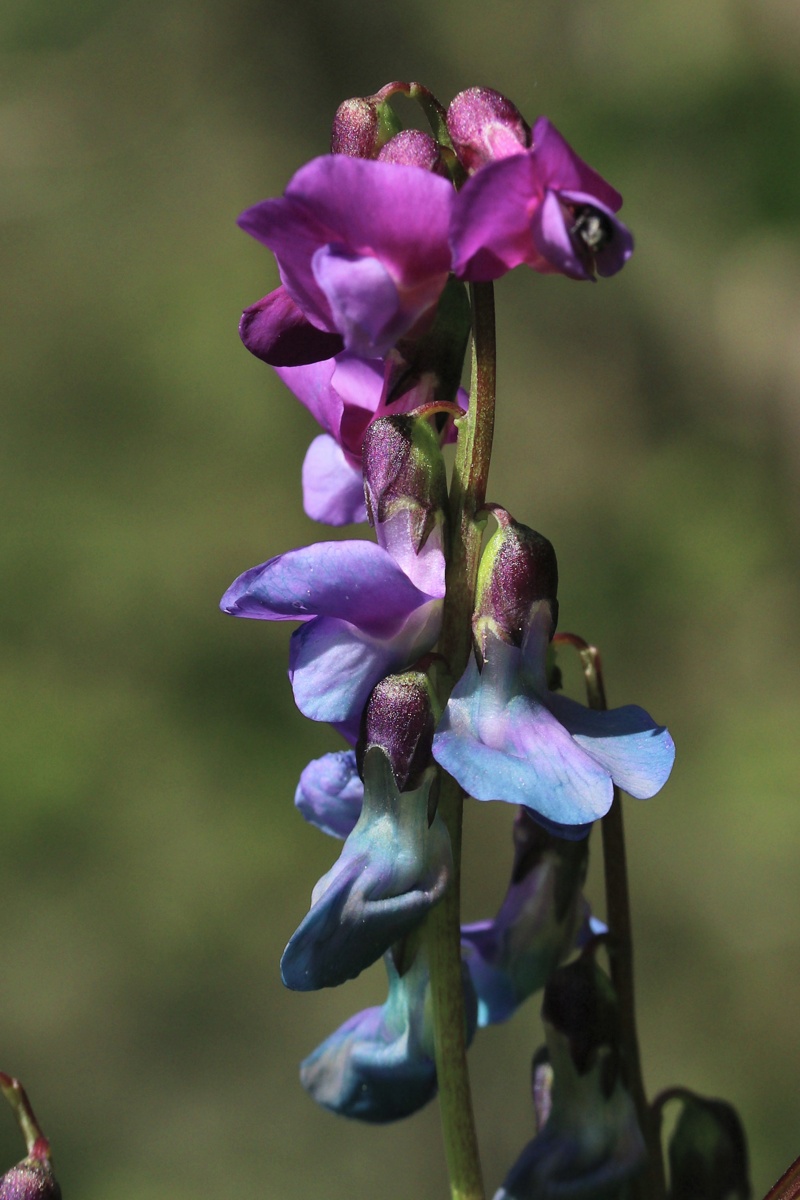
(485, 126)
(708, 1152)
(404, 474)
(518, 568)
(32, 1179)
(362, 126)
(400, 718)
(413, 148)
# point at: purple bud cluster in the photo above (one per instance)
(374, 244)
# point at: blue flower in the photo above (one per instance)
(330, 793)
(505, 736)
(393, 868)
(379, 1066)
(542, 916)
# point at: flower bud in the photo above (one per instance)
(400, 718)
(708, 1152)
(405, 486)
(518, 568)
(413, 148)
(485, 126)
(31, 1179)
(362, 126)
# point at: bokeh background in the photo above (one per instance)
(152, 864)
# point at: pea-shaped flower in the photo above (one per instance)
(505, 736)
(590, 1143)
(379, 1066)
(363, 255)
(541, 917)
(396, 862)
(543, 207)
(366, 609)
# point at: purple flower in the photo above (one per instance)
(542, 915)
(505, 736)
(394, 867)
(544, 207)
(345, 395)
(364, 615)
(363, 254)
(379, 1066)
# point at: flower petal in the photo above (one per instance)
(363, 299)
(490, 230)
(515, 750)
(330, 793)
(552, 240)
(333, 490)
(626, 742)
(276, 331)
(357, 581)
(557, 166)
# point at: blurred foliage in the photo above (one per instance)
(153, 865)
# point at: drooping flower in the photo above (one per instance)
(707, 1150)
(366, 610)
(363, 254)
(589, 1143)
(543, 912)
(394, 867)
(505, 736)
(544, 207)
(379, 1066)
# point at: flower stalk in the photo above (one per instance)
(650, 1184)
(467, 497)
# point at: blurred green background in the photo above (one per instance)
(152, 863)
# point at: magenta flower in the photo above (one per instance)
(544, 207)
(363, 255)
(345, 395)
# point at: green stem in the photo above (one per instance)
(443, 929)
(35, 1141)
(650, 1184)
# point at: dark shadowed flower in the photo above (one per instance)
(379, 1066)
(363, 255)
(707, 1150)
(589, 1144)
(541, 917)
(544, 207)
(394, 866)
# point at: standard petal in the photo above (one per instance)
(626, 742)
(557, 166)
(276, 331)
(354, 580)
(490, 231)
(333, 490)
(330, 793)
